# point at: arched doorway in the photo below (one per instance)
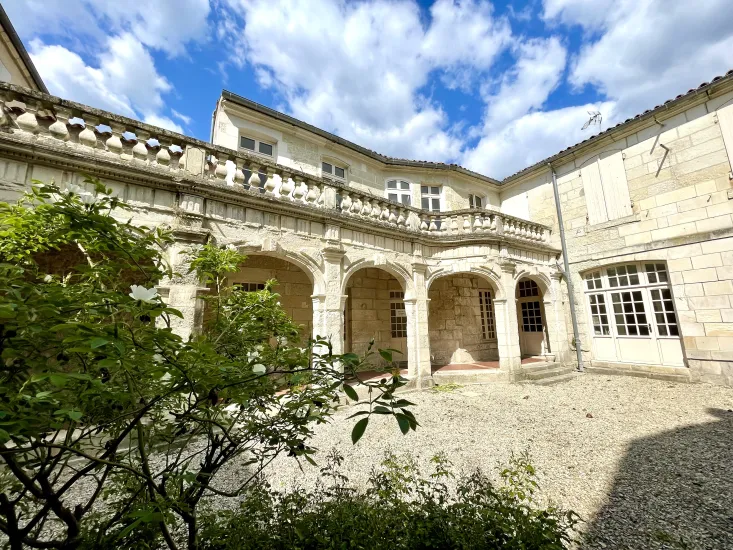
(461, 320)
(533, 337)
(375, 309)
(293, 284)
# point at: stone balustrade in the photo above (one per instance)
(99, 135)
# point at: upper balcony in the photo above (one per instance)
(45, 126)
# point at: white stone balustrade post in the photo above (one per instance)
(270, 183)
(298, 190)
(254, 179)
(58, 128)
(286, 187)
(88, 136)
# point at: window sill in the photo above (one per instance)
(257, 154)
(613, 223)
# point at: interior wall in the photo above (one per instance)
(294, 286)
(368, 313)
(455, 321)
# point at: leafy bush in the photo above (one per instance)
(400, 510)
(112, 427)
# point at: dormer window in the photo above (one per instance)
(474, 201)
(338, 172)
(430, 198)
(256, 145)
(399, 191)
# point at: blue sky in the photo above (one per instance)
(494, 86)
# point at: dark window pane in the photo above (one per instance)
(327, 168)
(436, 204)
(340, 173)
(392, 184)
(266, 149)
(246, 143)
(424, 189)
(477, 202)
(621, 330)
(392, 197)
(644, 330)
(434, 190)
(404, 185)
(674, 330)
(425, 203)
(406, 199)
(662, 330)
(470, 201)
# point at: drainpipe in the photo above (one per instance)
(568, 278)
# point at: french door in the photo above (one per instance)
(632, 315)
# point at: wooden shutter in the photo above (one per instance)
(594, 198)
(725, 121)
(615, 185)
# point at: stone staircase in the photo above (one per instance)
(546, 373)
(469, 377)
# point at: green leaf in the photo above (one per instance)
(58, 380)
(404, 423)
(75, 415)
(98, 342)
(386, 355)
(359, 429)
(351, 393)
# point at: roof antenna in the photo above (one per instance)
(595, 119)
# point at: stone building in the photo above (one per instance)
(462, 273)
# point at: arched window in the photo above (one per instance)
(399, 191)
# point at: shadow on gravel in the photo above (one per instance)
(672, 491)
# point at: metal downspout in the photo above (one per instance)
(568, 278)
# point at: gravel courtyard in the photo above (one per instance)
(647, 464)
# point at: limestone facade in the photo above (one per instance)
(450, 282)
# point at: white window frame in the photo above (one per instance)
(332, 174)
(257, 143)
(648, 281)
(486, 308)
(399, 191)
(473, 197)
(397, 314)
(432, 196)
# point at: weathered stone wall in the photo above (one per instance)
(293, 285)
(682, 214)
(368, 313)
(455, 321)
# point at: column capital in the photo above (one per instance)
(333, 254)
(556, 275)
(507, 266)
(419, 266)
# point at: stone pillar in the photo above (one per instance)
(183, 292)
(328, 308)
(418, 336)
(507, 329)
(555, 319)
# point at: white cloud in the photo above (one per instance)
(166, 25)
(648, 51)
(124, 81)
(183, 118)
(357, 69)
(163, 122)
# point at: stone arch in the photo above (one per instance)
(309, 266)
(402, 275)
(485, 273)
(542, 280)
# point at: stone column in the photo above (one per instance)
(507, 329)
(183, 292)
(418, 336)
(328, 308)
(555, 319)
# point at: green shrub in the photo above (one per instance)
(399, 510)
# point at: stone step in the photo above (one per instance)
(546, 371)
(559, 379)
(469, 377)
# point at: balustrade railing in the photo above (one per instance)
(54, 121)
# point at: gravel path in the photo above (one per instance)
(647, 464)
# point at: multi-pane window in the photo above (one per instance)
(531, 317)
(430, 198)
(644, 310)
(487, 315)
(623, 275)
(593, 280)
(656, 273)
(255, 145)
(528, 288)
(474, 201)
(397, 314)
(333, 170)
(664, 314)
(249, 287)
(629, 314)
(399, 191)
(599, 315)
